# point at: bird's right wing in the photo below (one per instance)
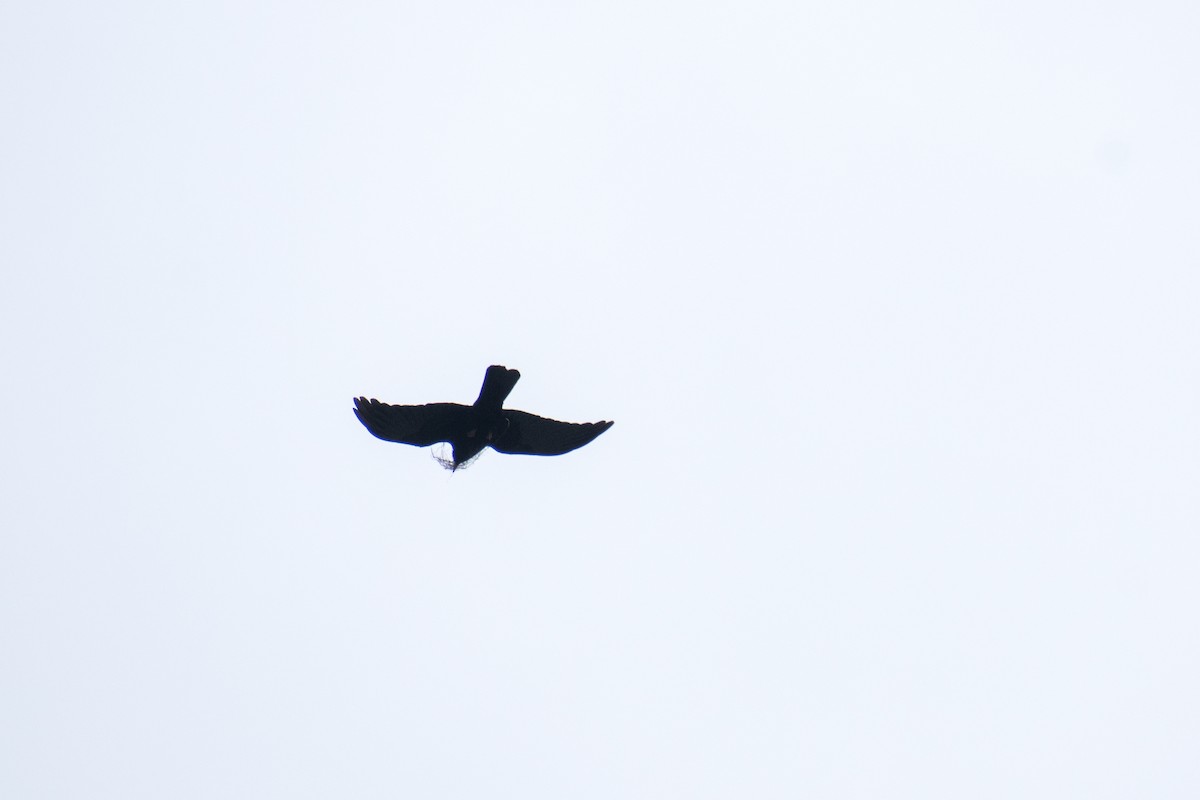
(531, 435)
(417, 425)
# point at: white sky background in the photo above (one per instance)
(895, 307)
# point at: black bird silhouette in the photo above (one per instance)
(469, 429)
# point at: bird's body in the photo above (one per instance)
(470, 429)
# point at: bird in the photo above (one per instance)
(471, 429)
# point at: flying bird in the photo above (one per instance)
(469, 429)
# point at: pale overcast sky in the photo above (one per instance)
(896, 308)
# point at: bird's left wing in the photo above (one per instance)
(531, 435)
(418, 425)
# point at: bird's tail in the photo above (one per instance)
(497, 383)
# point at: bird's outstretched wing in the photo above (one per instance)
(531, 435)
(417, 425)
